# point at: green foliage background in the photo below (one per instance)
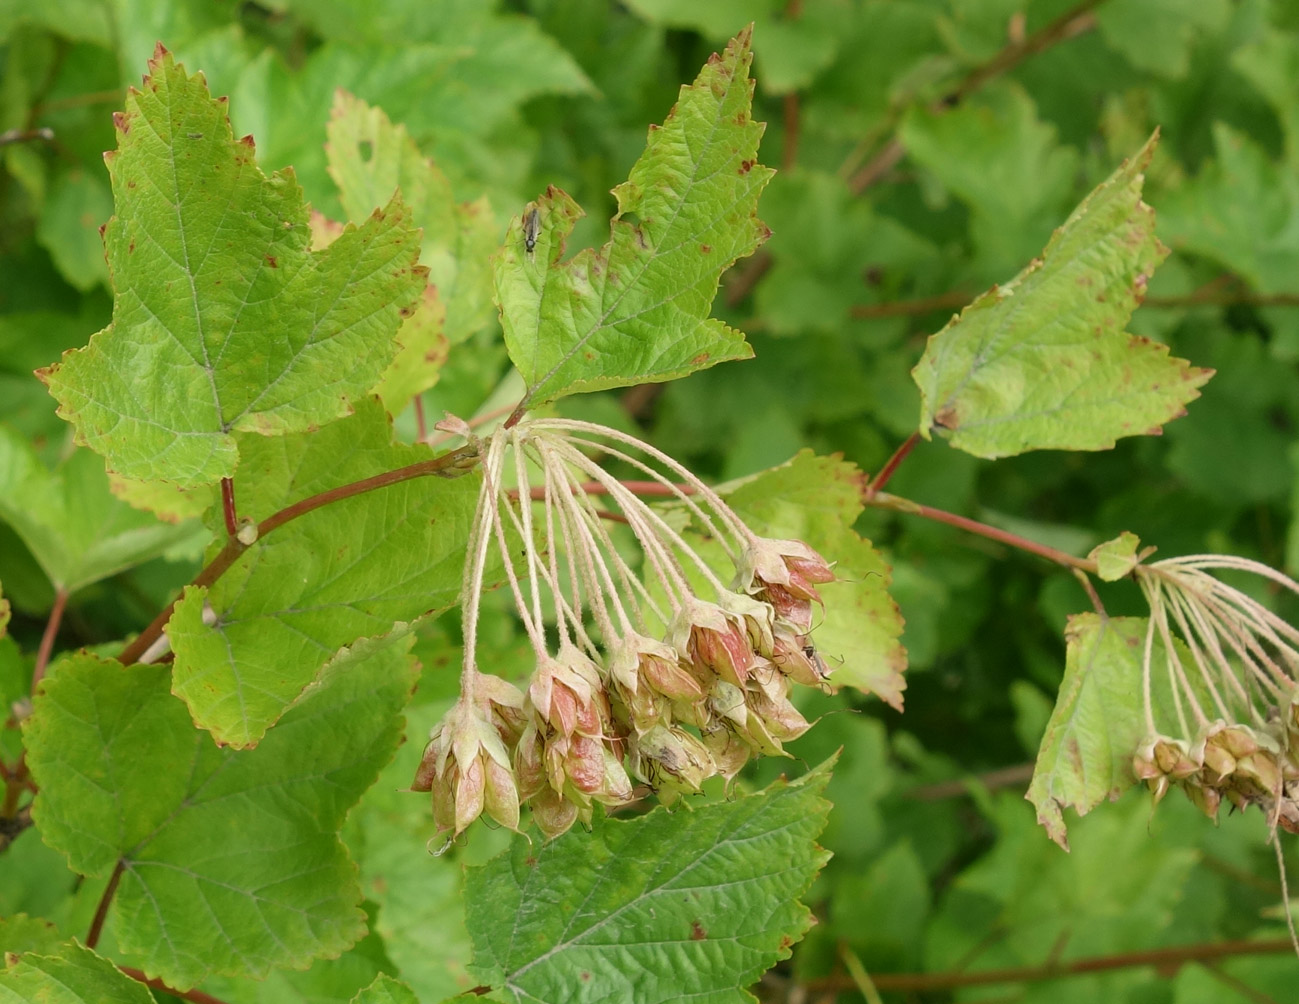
(511, 98)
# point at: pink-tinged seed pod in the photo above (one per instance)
(467, 769)
(670, 759)
(553, 813)
(788, 563)
(712, 639)
(569, 695)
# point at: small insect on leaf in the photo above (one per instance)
(531, 228)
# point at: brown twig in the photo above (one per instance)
(1070, 24)
(79, 101)
(789, 152)
(909, 308)
(11, 136)
(1002, 777)
(1166, 960)
(51, 632)
(1073, 22)
(12, 826)
(101, 911)
(197, 996)
(451, 464)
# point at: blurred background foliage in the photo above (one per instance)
(927, 148)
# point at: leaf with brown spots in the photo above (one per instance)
(665, 907)
(223, 320)
(1097, 724)
(636, 310)
(1043, 362)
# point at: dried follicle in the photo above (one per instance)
(1229, 670)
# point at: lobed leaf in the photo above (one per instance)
(231, 861)
(1241, 210)
(665, 907)
(67, 974)
(370, 157)
(347, 570)
(223, 321)
(386, 990)
(69, 518)
(636, 310)
(1042, 362)
(1116, 558)
(1098, 721)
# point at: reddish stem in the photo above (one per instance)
(228, 507)
(421, 429)
(451, 464)
(891, 465)
(197, 996)
(101, 911)
(884, 500)
(51, 632)
(1166, 960)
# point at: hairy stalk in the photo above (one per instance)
(47, 637)
(654, 524)
(101, 911)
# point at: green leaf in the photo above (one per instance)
(328, 981)
(456, 75)
(231, 861)
(421, 915)
(369, 158)
(1241, 211)
(76, 206)
(216, 289)
(1271, 64)
(1158, 35)
(20, 934)
(1116, 558)
(1012, 170)
(668, 906)
(1098, 721)
(71, 975)
(422, 353)
(1042, 362)
(386, 990)
(881, 909)
(1122, 887)
(817, 500)
(636, 310)
(347, 570)
(794, 46)
(69, 518)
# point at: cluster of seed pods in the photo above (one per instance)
(642, 674)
